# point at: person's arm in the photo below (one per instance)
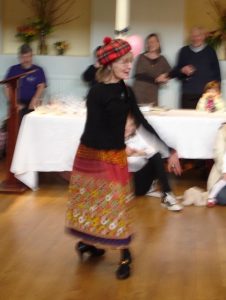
(36, 99)
(219, 104)
(134, 152)
(41, 85)
(174, 163)
(140, 117)
(182, 69)
(173, 160)
(165, 69)
(201, 104)
(215, 67)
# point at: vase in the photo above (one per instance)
(27, 42)
(60, 52)
(42, 46)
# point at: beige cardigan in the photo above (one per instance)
(219, 151)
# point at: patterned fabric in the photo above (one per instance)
(100, 194)
(111, 156)
(113, 50)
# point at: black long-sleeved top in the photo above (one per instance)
(206, 69)
(108, 106)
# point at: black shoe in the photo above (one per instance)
(83, 248)
(123, 270)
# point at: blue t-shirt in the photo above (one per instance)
(28, 84)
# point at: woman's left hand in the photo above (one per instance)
(174, 164)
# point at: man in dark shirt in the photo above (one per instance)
(31, 86)
(196, 66)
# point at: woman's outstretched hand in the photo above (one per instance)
(174, 164)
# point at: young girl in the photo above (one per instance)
(147, 165)
(100, 193)
(211, 100)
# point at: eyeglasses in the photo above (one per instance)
(126, 62)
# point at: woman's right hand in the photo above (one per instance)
(130, 151)
(20, 107)
(174, 163)
(188, 70)
(162, 78)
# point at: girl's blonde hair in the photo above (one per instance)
(212, 85)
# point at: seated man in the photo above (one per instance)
(147, 165)
(31, 86)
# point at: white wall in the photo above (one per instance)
(160, 16)
(166, 19)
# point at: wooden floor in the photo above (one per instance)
(177, 256)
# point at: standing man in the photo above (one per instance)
(31, 86)
(196, 66)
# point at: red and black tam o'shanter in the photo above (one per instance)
(112, 50)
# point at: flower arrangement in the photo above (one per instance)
(47, 15)
(61, 47)
(26, 33)
(42, 26)
(217, 37)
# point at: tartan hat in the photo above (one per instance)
(112, 50)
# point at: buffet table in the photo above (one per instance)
(48, 142)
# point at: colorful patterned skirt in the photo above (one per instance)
(100, 194)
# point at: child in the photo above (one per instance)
(146, 164)
(217, 178)
(211, 100)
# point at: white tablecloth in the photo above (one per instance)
(190, 132)
(49, 142)
(45, 143)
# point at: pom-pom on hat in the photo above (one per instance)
(112, 50)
